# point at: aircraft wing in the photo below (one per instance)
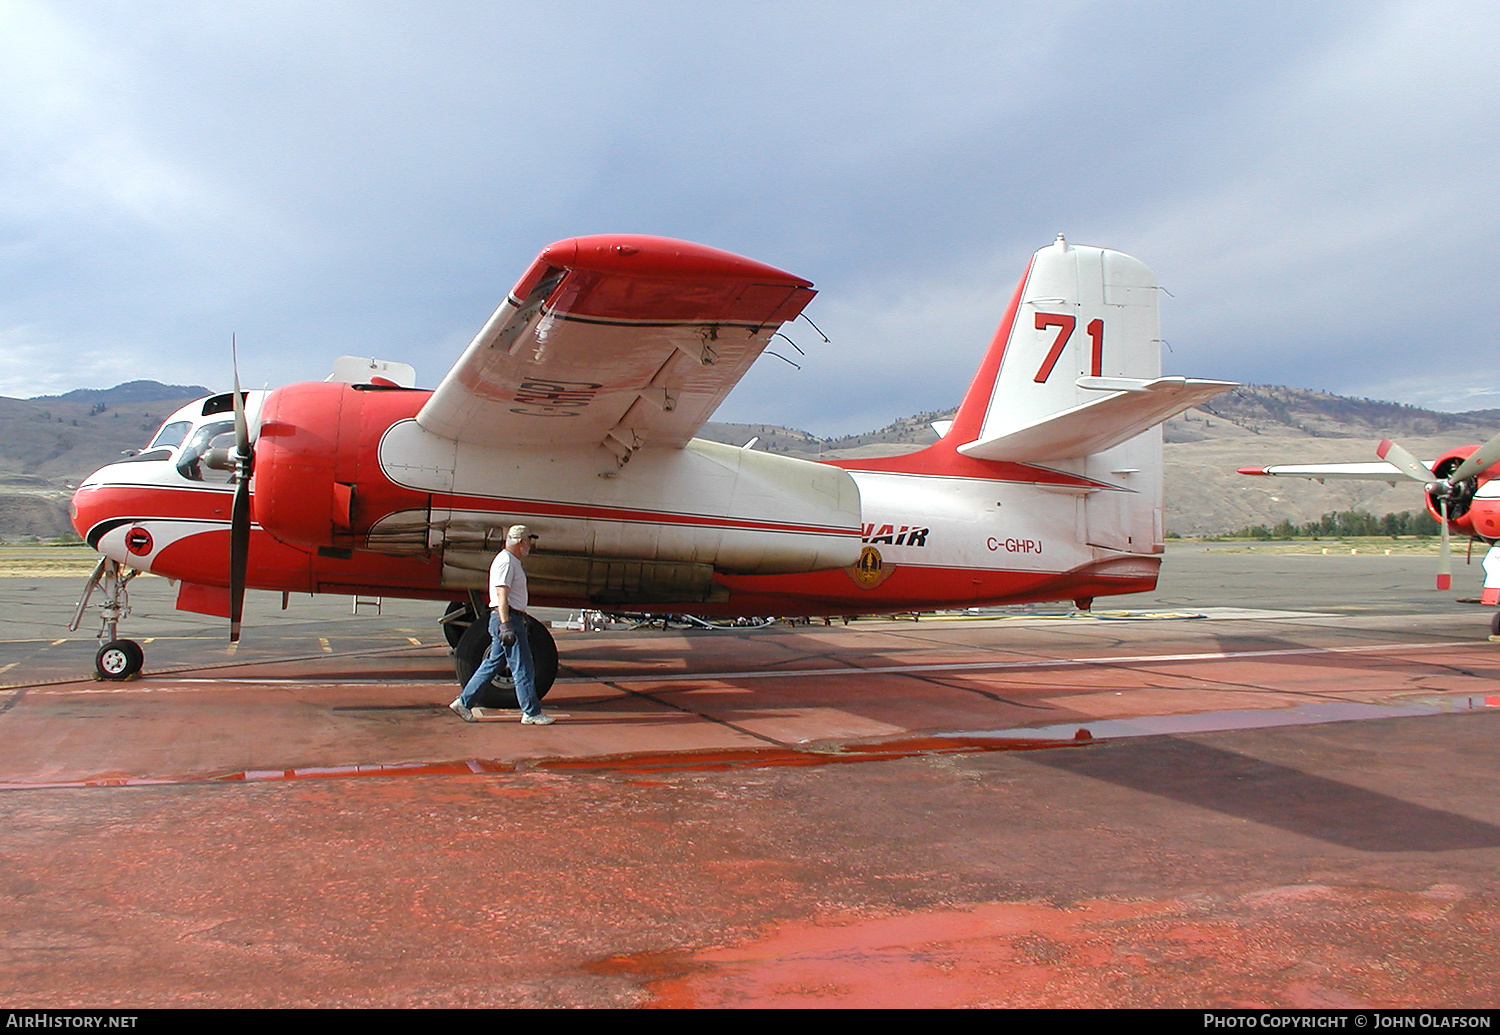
(1375, 471)
(614, 341)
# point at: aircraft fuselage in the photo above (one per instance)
(350, 495)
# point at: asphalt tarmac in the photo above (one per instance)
(1271, 783)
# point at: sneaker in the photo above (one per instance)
(459, 709)
(539, 719)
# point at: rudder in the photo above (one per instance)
(1075, 367)
(1078, 312)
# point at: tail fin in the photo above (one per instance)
(1075, 366)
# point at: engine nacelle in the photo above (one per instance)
(316, 477)
(1484, 518)
(343, 467)
(1473, 505)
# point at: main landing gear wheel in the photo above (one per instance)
(119, 659)
(1495, 626)
(458, 617)
(501, 693)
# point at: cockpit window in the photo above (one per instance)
(171, 435)
(209, 454)
(221, 403)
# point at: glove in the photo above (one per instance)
(507, 638)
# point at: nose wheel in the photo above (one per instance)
(119, 659)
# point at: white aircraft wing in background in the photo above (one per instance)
(1374, 471)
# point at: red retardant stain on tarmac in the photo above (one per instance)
(994, 954)
(323, 772)
(767, 757)
(471, 767)
(637, 763)
(1293, 943)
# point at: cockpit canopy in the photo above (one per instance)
(199, 438)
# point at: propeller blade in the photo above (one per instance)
(1477, 462)
(1400, 456)
(239, 554)
(241, 427)
(239, 520)
(1445, 563)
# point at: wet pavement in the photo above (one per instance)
(1271, 783)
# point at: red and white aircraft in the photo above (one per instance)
(1461, 491)
(573, 411)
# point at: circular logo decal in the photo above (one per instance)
(138, 541)
(867, 568)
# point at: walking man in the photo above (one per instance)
(508, 603)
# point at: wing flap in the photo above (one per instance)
(1131, 407)
(614, 341)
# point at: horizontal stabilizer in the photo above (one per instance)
(1131, 407)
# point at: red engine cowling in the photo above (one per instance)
(1466, 515)
(318, 481)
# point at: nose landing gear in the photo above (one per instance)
(117, 659)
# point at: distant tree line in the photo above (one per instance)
(1347, 523)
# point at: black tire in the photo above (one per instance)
(1495, 624)
(501, 693)
(456, 619)
(119, 659)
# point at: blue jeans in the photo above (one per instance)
(517, 655)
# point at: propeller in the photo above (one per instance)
(1478, 461)
(239, 520)
(1443, 489)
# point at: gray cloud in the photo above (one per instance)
(1314, 183)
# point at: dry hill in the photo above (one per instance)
(49, 444)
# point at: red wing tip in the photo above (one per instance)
(1383, 448)
(1444, 582)
(1254, 470)
(644, 255)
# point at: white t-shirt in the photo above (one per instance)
(506, 570)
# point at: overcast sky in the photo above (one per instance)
(1316, 184)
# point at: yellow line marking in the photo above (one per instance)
(414, 641)
(324, 643)
(58, 643)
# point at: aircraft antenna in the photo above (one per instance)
(815, 327)
(789, 341)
